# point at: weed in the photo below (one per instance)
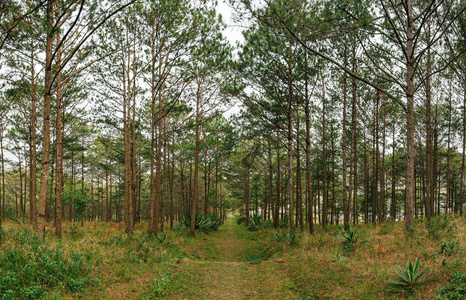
(350, 236)
(283, 223)
(256, 223)
(160, 287)
(253, 259)
(449, 248)
(30, 265)
(290, 237)
(163, 239)
(409, 278)
(203, 223)
(457, 287)
(438, 225)
(240, 220)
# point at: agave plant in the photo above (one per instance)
(203, 223)
(350, 236)
(409, 278)
(163, 239)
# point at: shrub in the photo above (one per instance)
(350, 237)
(283, 223)
(457, 287)
(438, 225)
(409, 278)
(203, 223)
(240, 220)
(163, 239)
(160, 286)
(288, 237)
(256, 223)
(29, 265)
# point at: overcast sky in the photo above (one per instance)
(233, 30)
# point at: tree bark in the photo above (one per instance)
(46, 123)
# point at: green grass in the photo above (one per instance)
(100, 261)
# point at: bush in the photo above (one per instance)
(438, 225)
(289, 237)
(409, 278)
(240, 220)
(203, 223)
(457, 287)
(160, 287)
(29, 266)
(256, 223)
(283, 223)
(349, 238)
(163, 239)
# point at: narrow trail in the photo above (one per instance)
(224, 272)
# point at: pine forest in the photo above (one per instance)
(232, 149)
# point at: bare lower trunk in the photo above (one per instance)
(46, 124)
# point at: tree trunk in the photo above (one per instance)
(196, 160)
(33, 148)
(393, 204)
(324, 161)
(46, 123)
(410, 118)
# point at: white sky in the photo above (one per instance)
(233, 30)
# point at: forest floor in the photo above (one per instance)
(230, 267)
(99, 261)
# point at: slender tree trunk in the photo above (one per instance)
(299, 194)
(154, 204)
(33, 148)
(410, 117)
(3, 171)
(290, 156)
(59, 159)
(382, 171)
(448, 205)
(46, 123)
(324, 160)
(21, 210)
(429, 152)
(277, 202)
(196, 159)
(366, 182)
(127, 149)
(464, 152)
(393, 204)
(308, 158)
(354, 161)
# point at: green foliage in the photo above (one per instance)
(283, 223)
(240, 220)
(289, 237)
(29, 266)
(438, 225)
(457, 287)
(256, 223)
(350, 236)
(75, 233)
(79, 201)
(409, 278)
(160, 287)
(254, 259)
(163, 239)
(203, 223)
(449, 248)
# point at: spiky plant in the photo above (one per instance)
(350, 236)
(409, 278)
(163, 239)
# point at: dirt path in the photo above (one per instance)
(225, 272)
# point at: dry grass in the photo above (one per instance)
(218, 266)
(323, 269)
